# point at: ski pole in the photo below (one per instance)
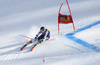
(25, 36)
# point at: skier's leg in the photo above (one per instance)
(29, 42)
(35, 43)
(40, 39)
(48, 36)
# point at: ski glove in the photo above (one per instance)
(35, 38)
(44, 39)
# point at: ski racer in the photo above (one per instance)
(42, 35)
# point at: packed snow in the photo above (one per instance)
(25, 17)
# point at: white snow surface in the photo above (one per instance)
(25, 17)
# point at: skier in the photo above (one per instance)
(43, 35)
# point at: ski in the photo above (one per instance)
(34, 45)
(23, 47)
(32, 48)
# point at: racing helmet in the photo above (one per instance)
(42, 28)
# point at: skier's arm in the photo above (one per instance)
(38, 34)
(45, 36)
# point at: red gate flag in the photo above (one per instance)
(65, 19)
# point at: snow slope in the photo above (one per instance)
(27, 16)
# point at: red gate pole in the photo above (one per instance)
(68, 7)
(58, 18)
(71, 14)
